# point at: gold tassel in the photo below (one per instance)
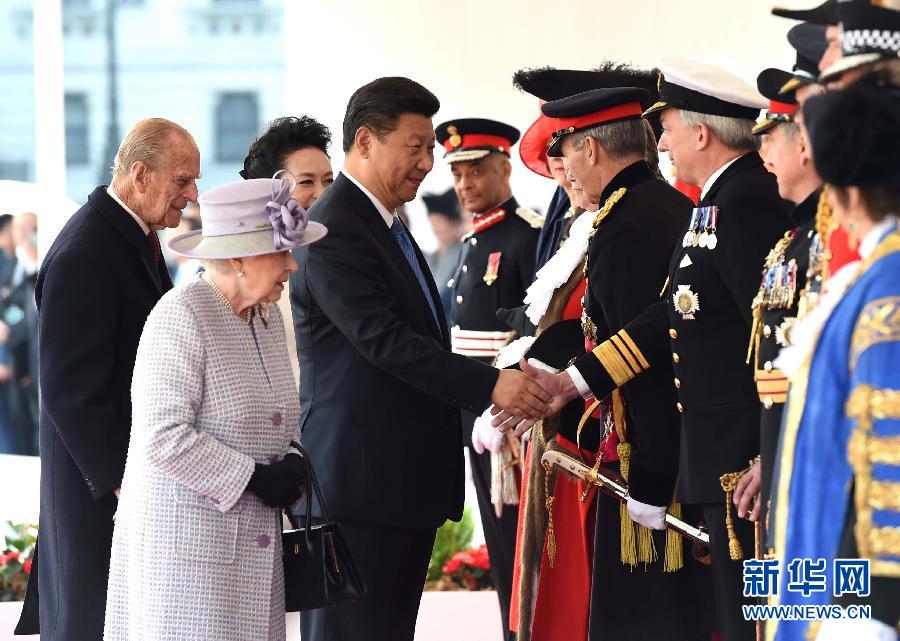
(729, 483)
(825, 224)
(628, 552)
(674, 560)
(618, 412)
(551, 537)
(646, 548)
(753, 346)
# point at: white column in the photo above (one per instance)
(49, 116)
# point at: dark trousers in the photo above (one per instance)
(727, 575)
(646, 603)
(499, 534)
(393, 562)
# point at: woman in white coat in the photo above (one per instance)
(197, 543)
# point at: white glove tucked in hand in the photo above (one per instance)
(484, 435)
(651, 516)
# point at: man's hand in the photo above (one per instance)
(560, 386)
(746, 491)
(519, 395)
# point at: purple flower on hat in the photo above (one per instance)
(288, 218)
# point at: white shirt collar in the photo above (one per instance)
(715, 176)
(114, 196)
(870, 242)
(385, 214)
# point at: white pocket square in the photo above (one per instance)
(686, 261)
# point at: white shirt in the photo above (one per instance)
(385, 214)
(715, 176)
(114, 196)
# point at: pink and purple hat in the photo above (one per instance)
(249, 218)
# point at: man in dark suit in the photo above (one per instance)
(702, 322)
(100, 279)
(380, 390)
(496, 267)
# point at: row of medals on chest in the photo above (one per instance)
(702, 228)
(701, 233)
(777, 290)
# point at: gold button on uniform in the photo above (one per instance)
(768, 402)
(677, 384)
(673, 334)
(474, 241)
(680, 407)
(675, 357)
(767, 331)
(459, 300)
(465, 269)
(768, 366)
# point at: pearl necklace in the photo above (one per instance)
(206, 279)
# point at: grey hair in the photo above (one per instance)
(145, 143)
(619, 139)
(216, 265)
(734, 133)
(791, 130)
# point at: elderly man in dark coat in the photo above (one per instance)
(100, 279)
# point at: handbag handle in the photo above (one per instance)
(311, 483)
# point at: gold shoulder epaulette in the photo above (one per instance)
(531, 217)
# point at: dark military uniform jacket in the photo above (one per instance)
(628, 258)
(496, 268)
(784, 279)
(701, 325)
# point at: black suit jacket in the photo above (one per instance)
(94, 291)
(379, 388)
(716, 393)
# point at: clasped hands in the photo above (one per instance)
(521, 398)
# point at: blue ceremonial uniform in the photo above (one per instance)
(839, 469)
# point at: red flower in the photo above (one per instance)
(27, 566)
(12, 555)
(451, 566)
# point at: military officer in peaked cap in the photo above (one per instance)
(784, 274)
(603, 138)
(549, 84)
(495, 269)
(702, 321)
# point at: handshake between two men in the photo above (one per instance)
(522, 398)
(538, 391)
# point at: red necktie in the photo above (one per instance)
(153, 239)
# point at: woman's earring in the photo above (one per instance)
(241, 274)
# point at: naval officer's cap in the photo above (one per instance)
(704, 88)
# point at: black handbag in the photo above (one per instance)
(318, 568)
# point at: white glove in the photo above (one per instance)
(484, 435)
(651, 516)
(858, 630)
